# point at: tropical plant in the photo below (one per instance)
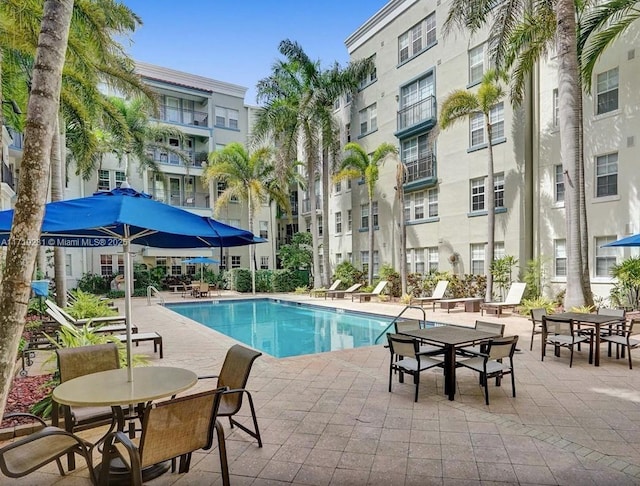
(527, 304)
(502, 271)
(461, 105)
(86, 306)
(627, 273)
(298, 254)
(348, 274)
(359, 165)
(391, 275)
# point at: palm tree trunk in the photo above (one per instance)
(57, 195)
(29, 210)
(371, 240)
(311, 176)
(491, 213)
(584, 231)
(326, 262)
(252, 248)
(569, 99)
(400, 172)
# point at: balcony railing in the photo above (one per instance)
(423, 168)
(171, 114)
(7, 176)
(422, 111)
(198, 200)
(162, 157)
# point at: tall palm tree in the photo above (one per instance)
(358, 164)
(401, 176)
(460, 105)
(29, 210)
(250, 178)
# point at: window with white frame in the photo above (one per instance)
(477, 258)
(264, 229)
(605, 256)
(338, 186)
(264, 263)
(176, 266)
(338, 217)
(190, 270)
(376, 262)
(349, 220)
(371, 77)
(477, 194)
(374, 213)
(418, 205)
(364, 259)
(607, 175)
(433, 259)
(418, 157)
(223, 262)
(417, 38)
(496, 118)
(607, 91)
(104, 180)
(320, 225)
(364, 216)
(120, 177)
(68, 271)
(558, 195)
(477, 128)
(498, 188)
(226, 117)
(419, 258)
(369, 119)
(221, 186)
(221, 117)
(336, 103)
(235, 261)
(556, 108)
(432, 201)
(338, 258)
(408, 202)
(476, 64)
(161, 263)
(233, 118)
(476, 124)
(560, 257)
(498, 250)
(106, 265)
(416, 102)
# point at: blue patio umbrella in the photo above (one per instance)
(202, 261)
(633, 240)
(124, 216)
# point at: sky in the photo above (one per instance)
(237, 41)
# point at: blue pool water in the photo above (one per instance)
(284, 329)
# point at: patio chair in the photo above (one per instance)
(80, 322)
(321, 292)
(234, 375)
(74, 362)
(511, 301)
(491, 364)
(436, 295)
(413, 325)
(564, 334)
(102, 328)
(367, 295)
(28, 454)
(609, 330)
(536, 323)
(203, 289)
(341, 293)
(494, 327)
(621, 337)
(407, 358)
(170, 429)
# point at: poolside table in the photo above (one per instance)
(451, 338)
(597, 321)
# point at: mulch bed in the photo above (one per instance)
(25, 391)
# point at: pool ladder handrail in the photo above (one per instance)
(150, 290)
(420, 308)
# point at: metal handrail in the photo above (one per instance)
(395, 319)
(150, 290)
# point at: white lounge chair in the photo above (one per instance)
(367, 295)
(79, 322)
(513, 299)
(321, 292)
(437, 294)
(341, 293)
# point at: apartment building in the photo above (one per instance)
(417, 67)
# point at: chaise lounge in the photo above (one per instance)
(511, 301)
(437, 294)
(367, 295)
(339, 294)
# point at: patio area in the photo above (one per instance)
(328, 419)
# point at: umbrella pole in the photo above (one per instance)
(128, 274)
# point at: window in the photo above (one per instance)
(191, 269)
(234, 222)
(560, 258)
(350, 257)
(605, 257)
(432, 201)
(498, 187)
(338, 258)
(476, 122)
(376, 262)
(176, 266)
(559, 184)
(368, 119)
(477, 259)
(416, 102)
(607, 91)
(233, 119)
(417, 38)
(338, 186)
(370, 78)
(320, 225)
(223, 262)
(432, 259)
(67, 265)
(364, 258)
(347, 129)
(226, 117)
(264, 229)
(374, 213)
(364, 216)
(121, 264)
(418, 157)
(607, 175)
(339, 222)
(348, 184)
(106, 265)
(120, 178)
(418, 207)
(264, 263)
(408, 200)
(556, 109)
(477, 194)
(235, 261)
(496, 118)
(476, 64)
(336, 104)
(220, 188)
(419, 258)
(104, 180)
(221, 117)
(349, 220)
(498, 250)
(161, 263)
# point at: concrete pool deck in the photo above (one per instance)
(328, 419)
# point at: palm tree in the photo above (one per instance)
(401, 175)
(29, 209)
(250, 178)
(460, 105)
(358, 164)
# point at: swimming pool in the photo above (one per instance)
(282, 328)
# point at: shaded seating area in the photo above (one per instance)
(339, 294)
(367, 295)
(438, 294)
(564, 334)
(323, 292)
(511, 301)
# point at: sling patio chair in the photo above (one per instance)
(563, 334)
(536, 323)
(436, 295)
(28, 454)
(374, 293)
(323, 292)
(621, 337)
(339, 294)
(79, 322)
(511, 301)
(234, 375)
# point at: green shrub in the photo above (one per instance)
(119, 294)
(87, 305)
(348, 274)
(394, 287)
(627, 289)
(94, 283)
(263, 281)
(240, 279)
(527, 304)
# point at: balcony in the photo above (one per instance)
(294, 211)
(183, 116)
(306, 205)
(6, 176)
(195, 159)
(421, 173)
(416, 118)
(196, 200)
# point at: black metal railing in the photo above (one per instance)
(421, 111)
(7, 176)
(423, 168)
(171, 114)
